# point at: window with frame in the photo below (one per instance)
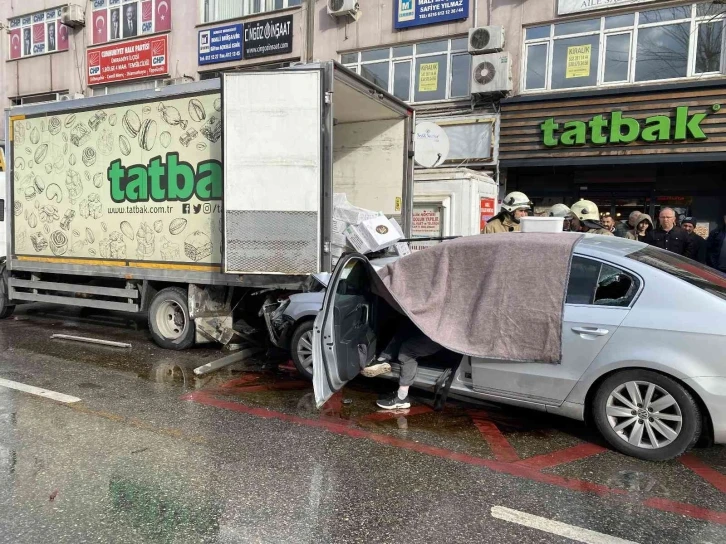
(651, 45)
(36, 34)
(421, 72)
(595, 283)
(221, 10)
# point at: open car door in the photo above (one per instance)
(344, 339)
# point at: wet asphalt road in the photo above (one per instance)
(150, 454)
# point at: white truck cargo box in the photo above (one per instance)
(451, 202)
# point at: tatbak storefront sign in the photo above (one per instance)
(135, 59)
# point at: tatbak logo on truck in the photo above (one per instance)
(169, 180)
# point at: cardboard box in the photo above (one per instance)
(402, 249)
(353, 215)
(376, 233)
(355, 238)
(396, 226)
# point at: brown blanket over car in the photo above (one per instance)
(497, 296)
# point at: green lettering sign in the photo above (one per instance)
(169, 180)
(623, 129)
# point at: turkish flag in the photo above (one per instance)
(146, 11)
(16, 44)
(38, 33)
(61, 33)
(100, 34)
(163, 15)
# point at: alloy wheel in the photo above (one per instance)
(644, 414)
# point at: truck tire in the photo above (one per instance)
(169, 321)
(6, 309)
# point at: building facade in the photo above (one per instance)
(619, 103)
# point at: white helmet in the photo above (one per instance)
(586, 210)
(516, 201)
(560, 210)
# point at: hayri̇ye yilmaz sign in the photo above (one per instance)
(408, 13)
(682, 125)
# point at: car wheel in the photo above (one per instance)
(169, 321)
(647, 415)
(301, 347)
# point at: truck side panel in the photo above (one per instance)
(136, 184)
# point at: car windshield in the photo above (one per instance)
(694, 273)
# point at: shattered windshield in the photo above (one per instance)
(693, 272)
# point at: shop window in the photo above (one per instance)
(402, 80)
(221, 10)
(36, 34)
(574, 62)
(617, 57)
(708, 52)
(651, 45)
(662, 52)
(422, 72)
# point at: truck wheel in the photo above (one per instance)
(6, 309)
(169, 321)
(301, 347)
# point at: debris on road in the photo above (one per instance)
(225, 361)
(90, 340)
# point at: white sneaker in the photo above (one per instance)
(376, 369)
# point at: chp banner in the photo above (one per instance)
(129, 60)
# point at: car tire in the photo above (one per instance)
(169, 321)
(301, 348)
(670, 420)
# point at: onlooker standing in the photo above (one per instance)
(630, 227)
(716, 248)
(643, 231)
(670, 237)
(607, 221)
(699, 244)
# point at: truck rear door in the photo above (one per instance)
(273, 171)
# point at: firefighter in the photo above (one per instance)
(515, 206)
(586, 218)
(561, 210)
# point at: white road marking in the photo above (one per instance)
(45, 393)
(578, 534)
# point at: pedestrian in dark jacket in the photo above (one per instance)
(699, 243)
(716, 248)
(672, 238)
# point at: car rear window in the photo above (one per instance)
(694, 273)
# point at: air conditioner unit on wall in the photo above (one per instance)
(341, 8)
(491, 73)
(67, 96)
(73, 15)
(486, 39)
(175, 81)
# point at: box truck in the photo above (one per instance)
(186, 202)
(451, 202)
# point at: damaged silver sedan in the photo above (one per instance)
(626, 336)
